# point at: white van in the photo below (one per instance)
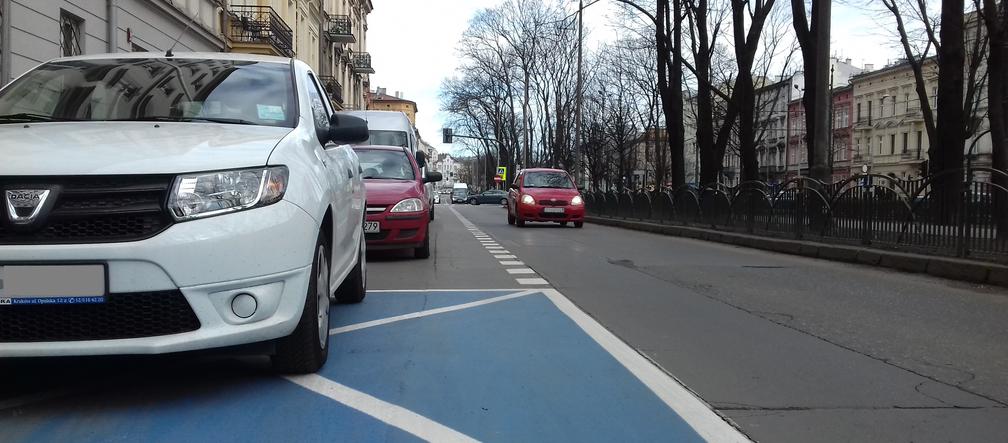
(460, 193)
(389, 128)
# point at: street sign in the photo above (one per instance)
(502, 173)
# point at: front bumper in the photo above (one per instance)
(398, 231)
(209, 261)
(537, 213)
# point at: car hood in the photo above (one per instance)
(390, 192)
(551, 193)
(92, 148)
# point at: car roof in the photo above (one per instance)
(236, 56)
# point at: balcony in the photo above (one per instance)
(259, 30)
(332, 87)
(362, 63)
(339, 29)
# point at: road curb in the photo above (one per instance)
(946, 267)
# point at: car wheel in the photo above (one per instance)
(473, 201)
(578, 225)
(519, 221)
(424, 250)
(354, 287)
(511, 218)
(503, 201)
(563, 223)
(306, 349)
(432, 212)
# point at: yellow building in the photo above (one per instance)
(328, 35)
(382, 101)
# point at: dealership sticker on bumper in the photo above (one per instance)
(51, 284)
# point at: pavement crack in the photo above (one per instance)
(629, 264)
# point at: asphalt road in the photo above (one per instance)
(479, 342)
(788, 348)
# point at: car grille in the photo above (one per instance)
(95, 209)
(377, 236)
(128, 315)
(553, 202)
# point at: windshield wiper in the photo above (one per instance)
(162, 118)
(27, 117)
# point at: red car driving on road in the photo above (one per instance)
(545, 195)
(398, 213)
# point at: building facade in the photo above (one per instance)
(841, 155)
(328, 35)
(382, 101)
(35, 31)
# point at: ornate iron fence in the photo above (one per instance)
(261, 24)
(964, 217)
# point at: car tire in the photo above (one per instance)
(511, 218)
(473, 201)
(432, 212)
(503, 202)
(354, 286)
(579, 225)
(306, 349)
(519, 221)
(424, 250)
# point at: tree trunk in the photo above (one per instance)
(674, 114)
(947, 153)
(814, 42)
(710, 162)
(996, 20)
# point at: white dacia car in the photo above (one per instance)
(155, 203)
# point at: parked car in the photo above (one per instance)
(545, 195)
(397, 212)
(490, 196)
(143, 218)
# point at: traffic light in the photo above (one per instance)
(446, 135)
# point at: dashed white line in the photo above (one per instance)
(512, 263)
(520, 271)
(507, 256)
(426, 313)
(531, 281)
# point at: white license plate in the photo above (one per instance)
(52, 284)
(371, 227)
(553, 210)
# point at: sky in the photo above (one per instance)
(413, 47)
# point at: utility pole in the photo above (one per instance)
(578, 173)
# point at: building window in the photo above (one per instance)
(869, 111)
(906, 99)
(880, 145)
(906, 135)
(859, 111)
(920, 142)
(71, 34)
(892, 144)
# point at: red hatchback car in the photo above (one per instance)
(545, 195)
(398, 213)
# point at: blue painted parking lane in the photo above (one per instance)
(437, 365)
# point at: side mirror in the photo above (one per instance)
(421, 159)
(347, 129)
(433, 177)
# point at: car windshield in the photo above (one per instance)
(385, 165)
(388, 138)
(190, 90)
(548, 180)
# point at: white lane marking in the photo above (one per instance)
(494, 247)
(531, 281)
(520, 271)
(498, 254)
(388, 413)
(507, 256)
(698, 414)
(428, 312)
(512, 263)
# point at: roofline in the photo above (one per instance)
(889, 69)
(237, 56)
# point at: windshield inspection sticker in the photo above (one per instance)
(270, 112)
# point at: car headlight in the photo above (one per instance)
(577, 201)
(214, 193)
(528, 200)
(408, 205)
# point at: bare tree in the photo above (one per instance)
(814, 38)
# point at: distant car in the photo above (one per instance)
(398, 214)
(460, 195)
(437, 199)
(490, 197)
(545, 195)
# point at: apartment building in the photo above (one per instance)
(381, 100)
(841, 155)
(328, 35)
(34, 31)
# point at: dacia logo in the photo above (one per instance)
(24, 205)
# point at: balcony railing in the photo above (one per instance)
(339, 29)
(261, 25)
(333, 87)
(362, 63)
